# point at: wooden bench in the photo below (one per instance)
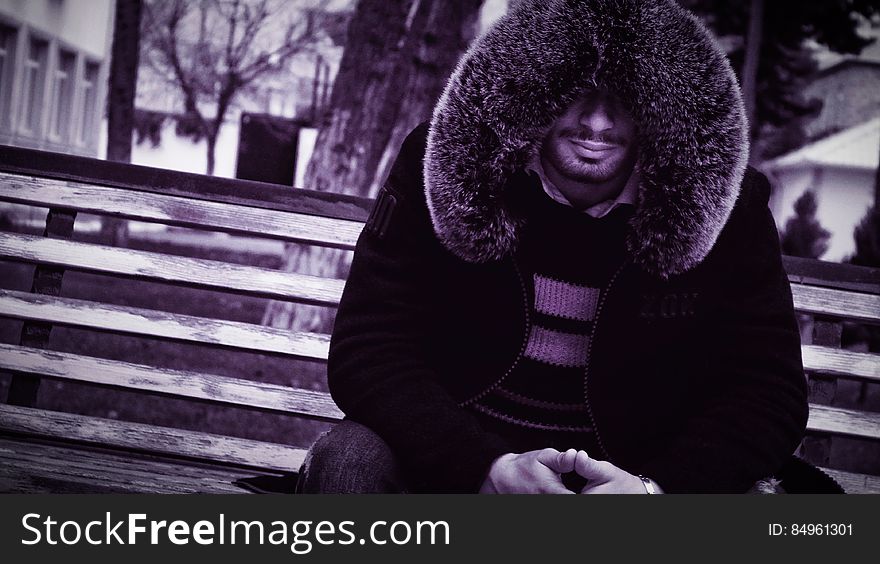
(53, 451)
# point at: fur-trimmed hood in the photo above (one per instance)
(520, 75)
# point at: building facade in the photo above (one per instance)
(840, 170)
(54, 64)
(850, 94)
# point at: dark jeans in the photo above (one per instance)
(350, 458)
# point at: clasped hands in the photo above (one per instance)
(540, 471)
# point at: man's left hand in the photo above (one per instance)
(606, 478)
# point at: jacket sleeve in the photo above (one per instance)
(378, 372)
(754, 386)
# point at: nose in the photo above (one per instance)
(597, 113)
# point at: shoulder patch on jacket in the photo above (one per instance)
(380, 215)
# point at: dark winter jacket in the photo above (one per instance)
(695, 375)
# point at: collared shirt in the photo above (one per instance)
(628, 195)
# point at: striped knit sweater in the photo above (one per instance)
(568, 259)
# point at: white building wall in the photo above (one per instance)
(82, 28)
(181, 154)
(85, 24)
(843, 196)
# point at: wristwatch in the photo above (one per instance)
(649, 485)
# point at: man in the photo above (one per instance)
(570, 281)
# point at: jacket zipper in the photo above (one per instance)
(590, 356)
(525, 339)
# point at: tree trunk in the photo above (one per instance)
(120, 99)
(877, 187)
(211, 140)
(397, 59)
(123, 79)
(752, 60)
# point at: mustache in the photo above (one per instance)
(580, 134)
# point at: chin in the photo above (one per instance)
(593, 172)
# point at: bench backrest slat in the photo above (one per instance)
(175, 383)
(837, 303)
(152, 323)
(270, 397)
(137, 321)
(841, 363)
(202, 273)
(180, 211)
(843, 276)
(846, 422)
(135, 178)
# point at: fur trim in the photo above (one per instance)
(519, 76)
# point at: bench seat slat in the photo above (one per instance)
(847, 422)
(31, 467)
(176, 383)
(179, 211)
(151, 323)
(35, 467)
(836, 303)
(853, 483)
(842, 363)
(211, 274)
(256, 454)
(150, 438)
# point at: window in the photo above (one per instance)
(34, 83)
(62, 96)
(88, 126)
(8, 38)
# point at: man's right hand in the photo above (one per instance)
(533, 472)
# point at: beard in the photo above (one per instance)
(559, 151)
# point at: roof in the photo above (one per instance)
(856, 147)
(832, 66)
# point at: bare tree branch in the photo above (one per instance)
(209, 50)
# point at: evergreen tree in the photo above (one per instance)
(867, 236)
(803, 236)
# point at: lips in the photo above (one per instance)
(593, 148)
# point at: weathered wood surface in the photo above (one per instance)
(202, 273)
(180, 211)
(832, 275)
(35, 467)
(837, 303)
(139, 437)
(847, 422)
(841, 363)
(151, 323)
(822, 389)
(177, 383)
(48, 165)
(855, 483)
(47, 279)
